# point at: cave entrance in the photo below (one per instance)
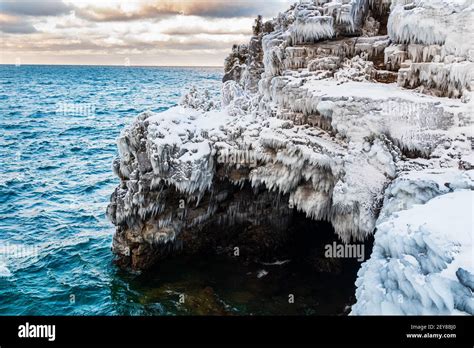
(296, 279)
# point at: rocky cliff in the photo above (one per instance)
(336, 108)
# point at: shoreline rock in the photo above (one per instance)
(311, 120)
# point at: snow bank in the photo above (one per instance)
(422, 261)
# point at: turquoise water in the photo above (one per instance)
(57, 143)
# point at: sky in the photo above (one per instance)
(135, 32)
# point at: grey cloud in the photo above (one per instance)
(15, 25)
(34, 8)
(17, 28)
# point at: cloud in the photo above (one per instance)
(139, 37)
(17, 28)
(15, 25)
(34, 8)
(142, 9)
(111, 29)
(189, 25)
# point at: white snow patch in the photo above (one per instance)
(416, 255)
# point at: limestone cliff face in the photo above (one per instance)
(326, 106)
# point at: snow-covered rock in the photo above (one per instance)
(435, 40)
(329, 112)
(422, 262)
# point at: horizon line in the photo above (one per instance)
(125, 66)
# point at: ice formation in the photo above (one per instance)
(422, 261)
(358, 112)
(434, 45)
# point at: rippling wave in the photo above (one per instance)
(56, 178)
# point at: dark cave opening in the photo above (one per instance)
(296, 278)
(310, 240)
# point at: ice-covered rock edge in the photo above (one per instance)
(307, 110)
(422, 259)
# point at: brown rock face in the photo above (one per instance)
(225, 220)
